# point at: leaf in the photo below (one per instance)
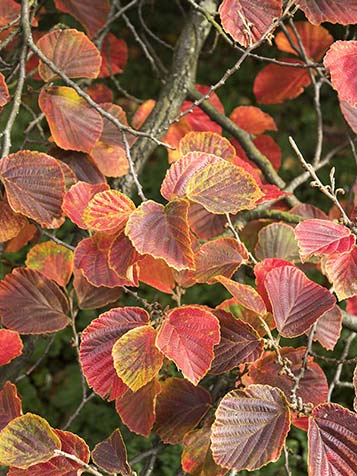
(261, 269)
(91, 256)
(77, 198)
(10, 346)
(114, 56)
(350, 114)
(341, 270)
(27, 440)
(137, 409)
(297, 302)
(82, 165)
(252, 119)
(111, 456)
(100, 92)
(156, 273)
(332, 441)
(328, 329)
(239, 344)
(27, 233)
(321, 237)
(30, 303)
(72, 52)
(313, 386)
(136, 358)
(277, 240)
(123, 259)
(108, 211)
(187, 336)
(341, 60)
(93, 297)
(150, 222)
(208, 142)
(197, 455)
(74, 124)
(250, 427)
(59, 465)
(316, 40)
(291, 84)
(268, 147)
(92, 14)
(4, 92)
(351, 306)
(246, 295)
(338, 11)
(205, 225)
(11, 223)
(180, 407)
(34, 185)
(97, 341)
(248, 20)
(222, 256)
(237, 190)
(10, 404)
(308, 211)
(52, 260)
(355, 389)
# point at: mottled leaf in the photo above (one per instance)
(208, 142)
(111, 456)
(10, 346)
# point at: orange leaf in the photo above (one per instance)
(4, 92)
(253, 120)
(10, 346)
(246, 295)
(11, 223)
(209, 142)
(114, 56)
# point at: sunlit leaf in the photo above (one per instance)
(10, 346)
(209, 142)
(297, 302)
(92, 14)
(291, 84)
(114, 56)
(72, 52)
(247, 20)
(277, 240)
(27, 440)
(11, 223)
(149, 223)
(74, 124)
(246, 295)
(253, 120)
(336, 11)
(332, 441)
(4, 92)
(197, 119)
(137, 409)
(187, 336)
(156, 273)
(52, 260)
(341, 270)
(250, 427)
(322, 237)
(93, 297)
(34, 185)
(261, 269)
(180, 407)
(97, 341)
(328, 329)
(239, 344)
(111, 456)
(10, 404)
(30, 303)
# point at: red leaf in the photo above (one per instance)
(253, 120)
(322, 237)
(123, 258)
(74, 124)
(239, 344)
(250, 427)
(52, 260)
(97, 341)
(222, 256)
(260, 270)
(114, 56)
(328, 329)
(247, 20)
(277, 240)
(246, 295)
(77, 198)
(108, 211)
(111, 456)
(341, 60)
(137, 409)
(350, 114)
(208, 142)
(204, 224)
(10, 404)
(338, 11)
(297, 302)
(267, 146)
(156, 273)
(10, 346)
(151, 221)
(72, 52)
(187, 336)
(92, 14)
(82, 165)
(59, 465)
(4, 92)
(180, 407)
(308, 211)
(291, 82)
(199, 120)
(351, 307)
(136, 358)
(315, 40)
(341, 270)
(100, 92)
(93, 297)
(34, 185)
(30, 303)
(332, 441)
(11, 223)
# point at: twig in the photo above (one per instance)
(132, 168)
(88, 468)
(53, 237)
(336, 379)
(78, 410)
(39, 360)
